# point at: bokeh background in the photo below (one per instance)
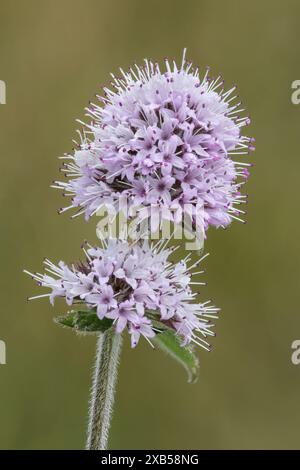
(54, 55)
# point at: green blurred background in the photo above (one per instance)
(54, 55)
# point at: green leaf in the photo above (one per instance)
(84, 321)
(169, 342)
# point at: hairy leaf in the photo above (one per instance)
(169, 342)
(84, 321)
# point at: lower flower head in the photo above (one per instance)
(135, 286)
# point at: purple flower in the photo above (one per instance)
(103, 301)
(83, 286)
(131, 271)
(140, 190)
(133, 285)
(162, 137)
(122, 314)
(161, 189)
(141, 326)
(103, 269)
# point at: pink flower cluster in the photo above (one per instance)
(135, 285)
(162, 139)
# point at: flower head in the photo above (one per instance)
(161, 138)
(137, 287)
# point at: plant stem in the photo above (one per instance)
(103, 389)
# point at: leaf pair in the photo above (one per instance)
(166, 339)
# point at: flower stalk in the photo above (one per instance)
(103, 389)
(164, 145)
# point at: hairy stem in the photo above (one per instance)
(103, 389)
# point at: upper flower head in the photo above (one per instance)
(162, 138)
(137, 287)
